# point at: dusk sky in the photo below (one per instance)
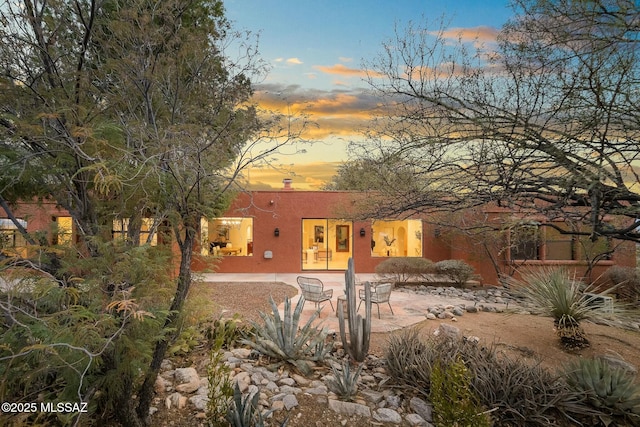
(316, 50)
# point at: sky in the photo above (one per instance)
(316, 51)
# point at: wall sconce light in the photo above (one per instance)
(276, 232)
(362, 232)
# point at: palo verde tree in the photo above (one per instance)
(546, 119)
(118, 110)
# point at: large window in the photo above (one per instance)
(232, 236)
(147, 233)
(402, 238)
(533, 242)
(326, 244)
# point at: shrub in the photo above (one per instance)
(455, 269)
(518, 393)
(454, 403)
(608, 389)
(555, 292)
(401, 270)
(281, 338)
(626, 281)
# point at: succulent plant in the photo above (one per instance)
(344, 382)
(609, 389)
(281, 337)
(359, 328)
(244, 410)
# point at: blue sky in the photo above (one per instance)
(316, 51)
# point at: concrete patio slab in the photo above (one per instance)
(409, 308)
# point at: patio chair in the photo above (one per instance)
(380, 294)
(313, 290)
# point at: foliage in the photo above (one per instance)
(282, 339)
(611, 390)
(359, 328)
(218, 374)
(229, 330)
(518, 393)
(539, 120)
(454, 403)
(455, 269)
(85, 342)
(344, 382)
(626, 281)
(244, 411)
(404, 269)
(409, 359)
(188, 339)
(557, 293)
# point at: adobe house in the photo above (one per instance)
(292, 231)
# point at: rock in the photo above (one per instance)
(160, 385)
(278, 405)
(457, 311)
(176, 399)
(431, 316)
(241, 353)
(471, 309)
(188, 387)
(290, 401)
(372, 396)
(421, 408)
(349, 408)
(199, 401)
(300, 380)
(448, 331)
(616, 362)
(416, 420)
(186, 375)
(386, 415)
(393, 401)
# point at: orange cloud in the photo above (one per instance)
(473, 34)
(339, 69)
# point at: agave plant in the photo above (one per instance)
(344, 382)
(609, 389)
(244, 411)
(557, 293)
(282, 339)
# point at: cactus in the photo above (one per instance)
(359, 328)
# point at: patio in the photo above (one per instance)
(409, 308)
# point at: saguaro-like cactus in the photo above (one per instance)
(359, 328)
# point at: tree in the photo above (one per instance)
(546, 122)
(122, 110)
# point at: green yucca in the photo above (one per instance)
(609, 389)
(557, 293)
(282, 339)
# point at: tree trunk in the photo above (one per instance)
(184, 282)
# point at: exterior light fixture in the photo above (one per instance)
(276, 232)
(362, 232)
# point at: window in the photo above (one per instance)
(391, 238)
(10, 236)
(326, 244)
(532, 242)
(121, 228)
(230, 236)
(558, 246)
(62, 230)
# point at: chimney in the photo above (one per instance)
(287, 184)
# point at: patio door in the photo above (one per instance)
(326, 244)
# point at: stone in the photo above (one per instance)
(241, 353)
(189, 387)
(186, 375)
(160, 385)
(431, 316)
(372, 396)
(349, 408)
(394, 401)
(300, 380)
(290, 401)
(386, 415)
(457, 311)
(448, 331)
(178, 400)
(416, 420)
(278, 405)
(422, 408)
(616, 362)
(199, 401)
(471, 309)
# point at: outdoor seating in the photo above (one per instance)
(380, 294)
(313, 290)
